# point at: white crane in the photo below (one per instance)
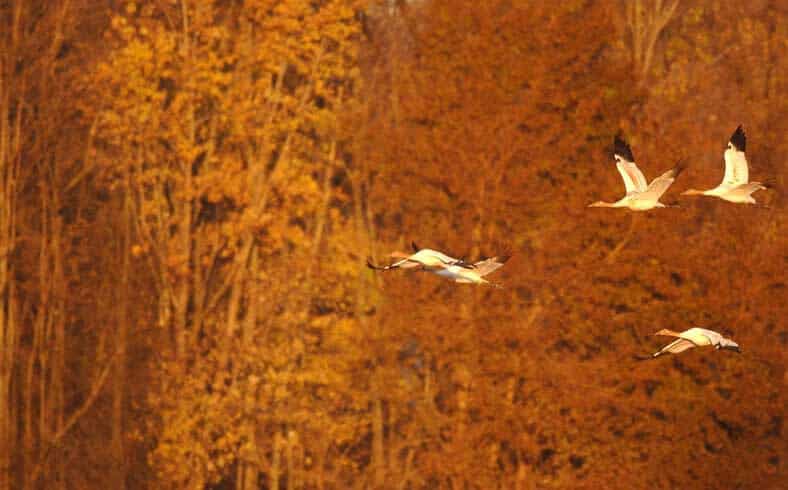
(424, 258)
(457, 270)
(735, 185)
(639, 197)
(694, 337)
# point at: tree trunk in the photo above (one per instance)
(10, 128)
(119, 380)
(289, 450)
(275, 474)
(57, 314)
(378, 459)
(250, 460)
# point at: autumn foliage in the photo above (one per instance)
(189, 191)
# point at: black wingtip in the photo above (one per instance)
(622, 149)
(739, 139)
(415, 247)
(681, 166)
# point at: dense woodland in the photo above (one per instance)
(189, 190)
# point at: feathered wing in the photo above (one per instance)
(487, 266)
(727, 178)
(746, 189)
(634, 181)
(751, 187)
(426, 254)
(675, 347)
(658, 186)
(736, 168)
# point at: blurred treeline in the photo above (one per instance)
(189, 189)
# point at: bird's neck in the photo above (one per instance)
(603, 204)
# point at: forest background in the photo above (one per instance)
(189, 190)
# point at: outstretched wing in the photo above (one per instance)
(746, 189)
(634, 181)
(658, 186)
(487, 266)
(736, 168)
(427, 253)
(675, 347)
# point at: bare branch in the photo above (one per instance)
(52, 442)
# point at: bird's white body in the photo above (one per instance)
(640, 196)
(740, 194)
(735, 186)
(431, 259)
(445, 266)
(694, 337)
(643, 204)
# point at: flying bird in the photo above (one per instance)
(640, 196)
(423, 258)
(457, 270)
(694, 337)
(735, 185)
